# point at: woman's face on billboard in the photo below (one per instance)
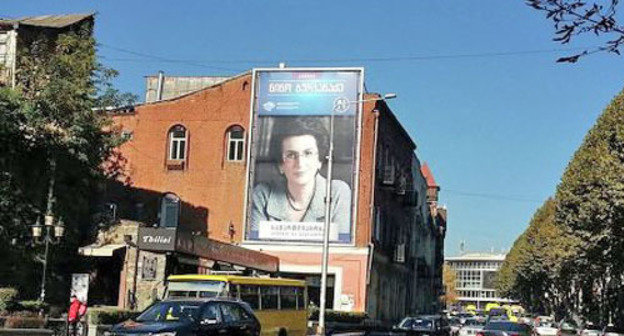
(300, 159)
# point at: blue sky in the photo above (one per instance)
(493, 115)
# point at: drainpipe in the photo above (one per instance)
(159, 85)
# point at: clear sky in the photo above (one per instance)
(493, 115)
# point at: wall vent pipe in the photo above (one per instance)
(159, 85)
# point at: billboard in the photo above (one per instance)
(292, 112)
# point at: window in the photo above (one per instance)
(269, 297)
(235, 143)
(177, 143)
(211, 312)
(249, 294)
(169, 211)
(288, 297)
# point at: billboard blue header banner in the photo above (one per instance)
(307, 92)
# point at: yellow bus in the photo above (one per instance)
(279, 304)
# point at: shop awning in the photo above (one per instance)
(94, 250)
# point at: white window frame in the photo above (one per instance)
(179, 143)
(239, 145)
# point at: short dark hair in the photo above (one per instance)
(285, 127)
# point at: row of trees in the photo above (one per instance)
(570, 260)
(50, 132)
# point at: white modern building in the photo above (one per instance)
(476, 277)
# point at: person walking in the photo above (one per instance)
(76, 311)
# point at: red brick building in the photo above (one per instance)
(192, 150)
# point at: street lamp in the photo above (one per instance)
(51, 235)
(330, 159)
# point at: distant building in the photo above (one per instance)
(476, 276)
(18, 34)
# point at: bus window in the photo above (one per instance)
(176, 294)
(249, 294)
(301, 304)
(233, 291)
(269, 297)
(288, 297)
(207, 294)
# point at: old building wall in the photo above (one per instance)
(207, 178)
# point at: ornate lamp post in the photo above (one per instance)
(49, 233)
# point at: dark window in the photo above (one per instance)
(288, 297)
(233, 313)
(269, 297)
(210, 312)
(301, 303)
(249, 294)
(170, 211)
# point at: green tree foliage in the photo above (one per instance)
(570, 260)
(591, 209)
(533, 269)
(48, 120)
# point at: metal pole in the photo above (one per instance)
(49, 205)
(330, 158)
(45, 264)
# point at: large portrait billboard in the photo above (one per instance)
(292, 112)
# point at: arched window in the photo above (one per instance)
(169, 210)
(235, 143)
(177, 142)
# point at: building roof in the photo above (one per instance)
(48, 21)
(424, 169)
(478, 256)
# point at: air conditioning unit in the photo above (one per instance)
(389, 175)
(399, 253)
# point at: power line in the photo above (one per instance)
(164, 59)
(498, 197)
(202, 62)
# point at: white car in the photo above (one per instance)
(471, 327)
(612, 330)
(546, 328)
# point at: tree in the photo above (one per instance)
(591, 209)
(51, 134)
(534, 270)
(449, 279)
(572, 18)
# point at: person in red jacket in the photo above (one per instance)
(77, 309)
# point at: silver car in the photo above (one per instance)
(471, 327)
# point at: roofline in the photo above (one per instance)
(248, 72)
(15, 23)
(394, 118)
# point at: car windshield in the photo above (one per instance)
(566, 325)
(454, 322)
(417, 323)
(170, 311)
(506, 326)
(546, 324)
(474, 322)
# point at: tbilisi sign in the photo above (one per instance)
(157, 239)
(172, 240)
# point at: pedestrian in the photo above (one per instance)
(77, 310)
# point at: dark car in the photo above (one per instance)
(426, 325)
(506, 328)
(192, 318)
